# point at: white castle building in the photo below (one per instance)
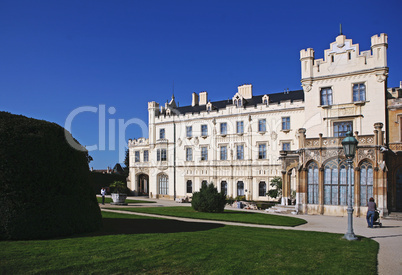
(241, 143)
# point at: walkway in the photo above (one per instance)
(389, 236)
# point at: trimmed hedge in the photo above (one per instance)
(208, 199)
(44, 183)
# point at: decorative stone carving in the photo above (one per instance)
(274, 135)
(365, 154)
(312, 154)
(381, 77)
(196, 141)
(179, 142)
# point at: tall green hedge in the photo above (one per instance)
(99, 180)
(44, 183)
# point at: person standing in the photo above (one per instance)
(103, 193)
(372, 207)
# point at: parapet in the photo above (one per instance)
(379, 40)
(153, 105)
(309, 53)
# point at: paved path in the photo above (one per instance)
(389, 236)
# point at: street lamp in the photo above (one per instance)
(349, 144)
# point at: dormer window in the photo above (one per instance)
(209, 106)
(265, 100)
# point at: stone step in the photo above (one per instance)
(394, 216)
(282, 209)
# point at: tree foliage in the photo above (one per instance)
(44, 182)
(208, 199)
(276, 182)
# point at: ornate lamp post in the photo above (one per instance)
(349, 144)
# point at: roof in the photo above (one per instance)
(273, 98)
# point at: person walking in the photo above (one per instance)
(372, 207)
(103, 193)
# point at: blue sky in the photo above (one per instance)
(58, 56)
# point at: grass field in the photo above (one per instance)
(131, 244)
(228, 215)
(109, 200)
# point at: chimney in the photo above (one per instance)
(195, 100)
(203, 98)
(246, 91)
(400, 84)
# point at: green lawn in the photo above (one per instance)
(109, 200)
(228, 215)
(134, 244)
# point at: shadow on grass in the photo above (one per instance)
(113, 226)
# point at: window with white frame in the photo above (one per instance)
(146, 156)
(239, 127)
(204, 130)
(189, 186)
(240, 152)
(161, 133)
(326, 96)
(335, 183)
(286, 146)
(262, 151)
(161, 155)
(262, 189)
(137, 156)
(204, 153)
(224, 187)
(312, 183)
(262, 125)
(224, 128)
(163, 184)
(359, 92)
(240, 188)
(366, 182)
(224, 152)
(285, 123)
(189, 131)
(189, 154)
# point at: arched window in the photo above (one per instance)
(312, 183)
(335, 182)
(262, 189)
(224, 187)
(189, 186)
(240, 188)
(163, 184)
(366, 182)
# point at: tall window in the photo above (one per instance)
(262, 125)
(204, 153)
(239, 127)
(240, 151)
(189, 131)
(342, 127)
(286, 146)
(189, 186)
(366, 182)
(262, 189)
(162, 133)
(326, 96)
(163, 184)
(224, 152)
(240, 188)
(286, 123)
(359, 92)
(204, 130)
(262, 151)
(189, 154)
(335, 182)
(312, 183)
(137, 156)
(224, 187)
(224, 128)
(161, 155)
(146, 154)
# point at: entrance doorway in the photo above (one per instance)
(143, 185)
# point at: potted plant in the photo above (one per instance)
(119, 193)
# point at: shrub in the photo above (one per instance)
(277, 192)
(119, 187)
(208, 199)
(44, 182)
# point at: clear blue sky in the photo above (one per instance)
(57, 56)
